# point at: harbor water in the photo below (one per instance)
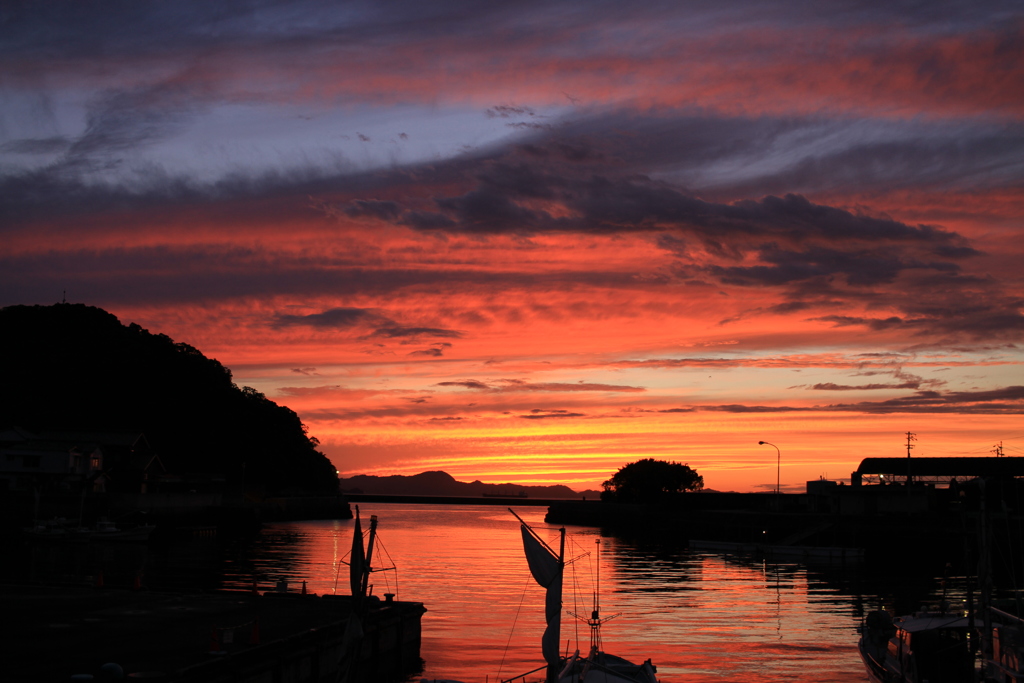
(699, 616)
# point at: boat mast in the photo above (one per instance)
(596, 620)
(364, 586)
(548, 569)
(595, 616)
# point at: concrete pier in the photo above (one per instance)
(57, 633)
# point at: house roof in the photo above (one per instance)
(944, 467)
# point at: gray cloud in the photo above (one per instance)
(465, 384)
(398, 331)
(831, 386)
(49, 145)
(518, 385)
(1002, 401)
(540, 414)
(335, 318)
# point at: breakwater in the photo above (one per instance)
(924, 526)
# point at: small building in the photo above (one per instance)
(72, 461)
(938, 472)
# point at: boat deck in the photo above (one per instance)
(52, 634)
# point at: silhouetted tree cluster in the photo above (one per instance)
(650, 481)
(76, 367)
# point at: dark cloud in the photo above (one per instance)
(874, 323)
(1002, 401)
(204, 273)
(486, 210)
(436, 350)
(335, 318)
(511, 385)
(540, 414)
(830, 386)
(505, 111)
(429, 353)
(738, 408)
(48, 145)
(373, 208)
(957, 313)
(398, 332)
(502, 203)
(859, 267)
(466, 384)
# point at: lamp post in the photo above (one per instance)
(778, 468)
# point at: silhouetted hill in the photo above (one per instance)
(443, 484)
(76, 367)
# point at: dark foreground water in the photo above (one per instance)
(699, 616)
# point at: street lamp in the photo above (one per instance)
(778, 466)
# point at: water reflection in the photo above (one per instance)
(697, 615)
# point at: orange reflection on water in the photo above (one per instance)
(697, 616)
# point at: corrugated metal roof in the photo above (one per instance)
(944, 467)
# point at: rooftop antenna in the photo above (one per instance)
(910, 438)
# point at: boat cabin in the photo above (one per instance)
(938, 648)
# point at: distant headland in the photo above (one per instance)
(436, 483)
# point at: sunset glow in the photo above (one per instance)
(534, 242)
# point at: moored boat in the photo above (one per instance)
(598, 666)
(938, 647)
(943, 647)
(548, 567)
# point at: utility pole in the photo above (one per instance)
(998, 449)
(910, 438)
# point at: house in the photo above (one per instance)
(65, 462)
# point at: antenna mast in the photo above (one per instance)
(910, 438)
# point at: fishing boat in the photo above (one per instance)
(598, 666)
(943, 647)
(981, 643)
(937, 647)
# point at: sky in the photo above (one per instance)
(533, 242)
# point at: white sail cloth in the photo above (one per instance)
(547, 570)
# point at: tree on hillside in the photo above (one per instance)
(651, 480)
(75, 367)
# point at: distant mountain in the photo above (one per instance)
(437, 483)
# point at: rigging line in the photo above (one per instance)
(512, 631)
(338, 573)
(393, 567)
(575, 605)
